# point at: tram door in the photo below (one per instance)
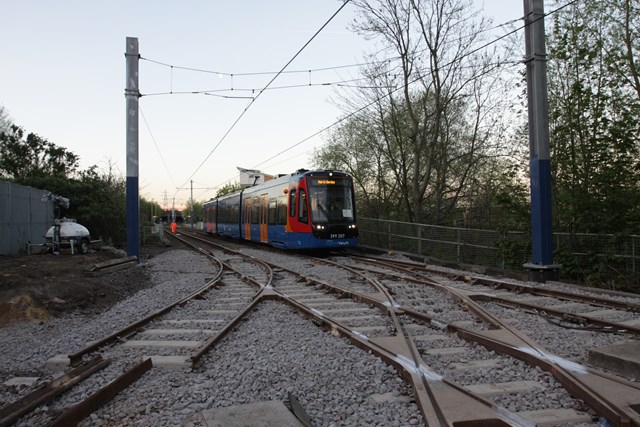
(247, 218)
(264, 217)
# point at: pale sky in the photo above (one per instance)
(63, 75)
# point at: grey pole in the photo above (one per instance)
(132, 94)
(541, 267)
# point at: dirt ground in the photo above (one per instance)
(36, 287)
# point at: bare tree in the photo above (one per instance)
(428, 91)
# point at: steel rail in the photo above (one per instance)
(88, 406)
(615, 398)
(211, 342)
(129, 330)
(584, 318)
(513, 287)
(433, 393)
(440, 411)
(10, 413)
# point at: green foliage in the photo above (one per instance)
(228, 189)
(22, 157)
(595, 119)
(97, 201)
(149, 210)
(196, 208)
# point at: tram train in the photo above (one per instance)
(303, 210)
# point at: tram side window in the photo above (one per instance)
(302, 209)
(272, 211)
(292, 203)
(282, 210)
(255, 210)
(235, 213)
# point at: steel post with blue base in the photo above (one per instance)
(542, 267)
(132, 94)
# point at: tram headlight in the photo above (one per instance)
(353, 226)
(320, 227)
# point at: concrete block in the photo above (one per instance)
(56, 362)
(623, 359)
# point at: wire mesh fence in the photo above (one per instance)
(599, 257)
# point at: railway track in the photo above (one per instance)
(466, 347)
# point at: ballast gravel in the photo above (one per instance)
(275, 351)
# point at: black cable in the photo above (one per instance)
(260, 73)
(376, 99)
(156, 144)
(267, 86)
(413, 81)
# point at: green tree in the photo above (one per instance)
(228, 189)
(22, 157)
(595, 117)
(354, 147)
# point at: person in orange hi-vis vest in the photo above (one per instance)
(174, 227)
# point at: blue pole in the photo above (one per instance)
(542, 266)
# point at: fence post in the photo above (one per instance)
(458, 246)
(419, 239)
(389, 235)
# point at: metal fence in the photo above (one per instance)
(504, 250)
(23, 217)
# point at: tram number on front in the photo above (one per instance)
(336, 236)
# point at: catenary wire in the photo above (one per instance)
(411, 82)
(335, 123)
(156, 145)
(262, 91)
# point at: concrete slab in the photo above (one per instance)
(568, 306)
(530, 299)
(189, 321)
(18, 381)
(476, 364)
(264, 414)
(502, 388)
(635, 323)
(216, 312)
(434, 337)
(445, 351)
(309, 301)
(347, 310)
(601, 314)
(349, 318)
(623, 359)
(162, 343)
(390, 397)
(176, 331)
(364, 329)
(58, 361)
(555, 417)
(170, 362)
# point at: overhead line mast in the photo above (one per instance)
(132, 94)
(541, 267)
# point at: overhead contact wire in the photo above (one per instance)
(262, 91)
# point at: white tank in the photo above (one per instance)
(70, 229)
